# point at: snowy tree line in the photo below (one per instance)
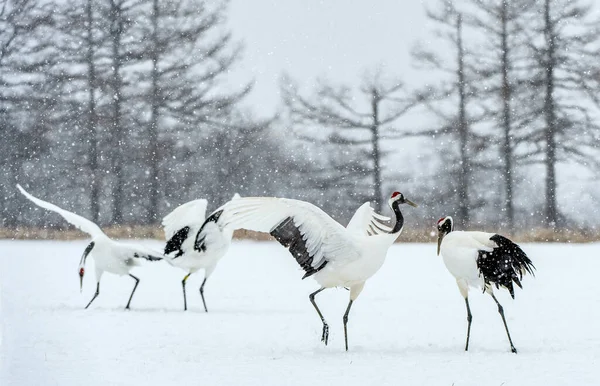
(120, 110)
(121, 103)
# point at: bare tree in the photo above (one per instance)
(353, 123)
(500, 85)
(456, 90)
(19, 18)
(117, 19)
(243, 156)
(79, 35)
(92, 121)
(121, 52)
(191, 53)
(565, 51)
(25, 99)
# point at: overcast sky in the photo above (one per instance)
(339, 39)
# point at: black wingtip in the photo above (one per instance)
(505, 264)
(175, 242)
(289, 235)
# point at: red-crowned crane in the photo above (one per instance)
(181, 226)
(482, 260)
(335, 256)
(109, 255)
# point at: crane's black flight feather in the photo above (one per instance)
(288, 235)
(200, 243)
(504, 265)
(175, 242)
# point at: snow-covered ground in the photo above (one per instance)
(407, 327)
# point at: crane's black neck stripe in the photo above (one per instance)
(87, 251)
(399, 218)
(504, 265)
(288, 235)
(175, 242)
(199, 243)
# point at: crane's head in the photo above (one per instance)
(81, 273)
(445, 225)
(87, 251)
(398, 198)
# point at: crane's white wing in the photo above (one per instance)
(81, 223)
(190, 213)
(483, 239)
(213, 234)
(367, 222)
(127, 250)
(312, 237)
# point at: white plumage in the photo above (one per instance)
(368, 222)
(193, 212)
(459, 251)
(109, 255)
(482, 260)
(181, 227)
(335, 256)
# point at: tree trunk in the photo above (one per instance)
(506, 122)
(377, 193)
(11, 213)
(153, 129)
(92, 118)
(117, 132)
(551, 212)
(463, 128)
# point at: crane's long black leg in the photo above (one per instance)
(469, 319)
(501, 311)
(137, 281)
(183, 285)
(95, 295)
(325, 335)
(346, 322)
(202, 293)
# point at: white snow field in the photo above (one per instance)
(407, 327)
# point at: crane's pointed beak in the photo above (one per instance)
(80, 284)
(440, 238)
(409, 202)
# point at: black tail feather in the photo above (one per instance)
(504, 265)
(511, 290)
(518, 282)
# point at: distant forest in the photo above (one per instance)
(120, 110)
